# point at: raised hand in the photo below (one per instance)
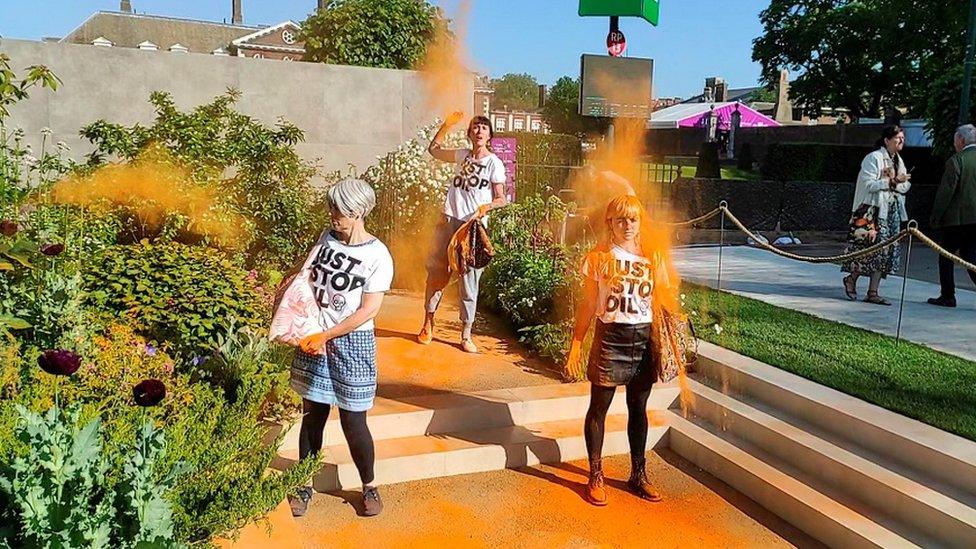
(453, 118)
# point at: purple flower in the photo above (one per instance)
(150, 350)
(59, 362)
(52, 249)
(8, 228)
(197, 360)
(149, 392)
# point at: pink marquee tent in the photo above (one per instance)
(690, 115)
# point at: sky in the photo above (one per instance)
(695, 39)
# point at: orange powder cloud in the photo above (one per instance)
(152, 187)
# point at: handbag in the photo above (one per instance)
(863, 228)
(677, 344)
(469, 248)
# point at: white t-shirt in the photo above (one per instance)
(626, 285)
(472, 183)
(341, 273)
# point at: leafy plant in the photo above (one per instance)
(269, 186)
(56, 496)
(391, 34)
(184, 295)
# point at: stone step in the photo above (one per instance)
(920, 452)
(452, 412)
(438, 455)
(862, 484)
(751, 473)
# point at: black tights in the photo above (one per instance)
(596, 418)
(354, 427)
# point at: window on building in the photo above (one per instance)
(500, 124)
(258, 56)
(518, 124)
(536, 125)
(286, 58)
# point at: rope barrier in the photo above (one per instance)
(940, 250)
(759, 242)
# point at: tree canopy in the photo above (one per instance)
(391, 34)
(516, 91)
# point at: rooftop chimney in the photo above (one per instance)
(125, 6)
(237, 17)
(542, 95)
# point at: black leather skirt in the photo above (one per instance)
(621, 354)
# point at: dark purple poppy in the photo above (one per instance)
(149, 392)
(8, 228)
(150, 350)
(59, 362)
(52, 249)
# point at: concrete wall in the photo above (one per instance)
(349, 114)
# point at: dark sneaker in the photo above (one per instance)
(372, 505)
(299, 502)
(942, 301)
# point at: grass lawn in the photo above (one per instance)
(728, 172)
(913, 380)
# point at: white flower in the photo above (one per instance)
(694, 313)
(18, 133)
(62, 146)
(718, 329)
(46, 132)
(682, 297)
(30, 160)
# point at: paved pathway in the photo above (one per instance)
(817, 290)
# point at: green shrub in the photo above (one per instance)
(708, 166)
(210, 424)
(840, 163)
(269, 186)
(56, 495)
(183, 295)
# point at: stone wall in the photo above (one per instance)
(349, 114)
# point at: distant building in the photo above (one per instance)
(126, 29)
(502, 118)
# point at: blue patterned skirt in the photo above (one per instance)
(345, 376)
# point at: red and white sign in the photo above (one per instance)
(616, 43)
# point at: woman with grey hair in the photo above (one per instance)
(347, 272)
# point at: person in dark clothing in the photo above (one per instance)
(954, 213)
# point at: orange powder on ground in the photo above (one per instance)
(152, 187)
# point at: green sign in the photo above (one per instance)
(649, 10)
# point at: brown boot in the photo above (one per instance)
(638, 480)
(596, 491)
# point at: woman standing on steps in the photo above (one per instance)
(346, 274)
(478, 187)
(622, 278)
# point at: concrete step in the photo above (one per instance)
(438, 455)
(840, 474)
(451, 412)
(927, 455)
(750, 471)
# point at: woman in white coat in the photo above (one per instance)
(878, 212)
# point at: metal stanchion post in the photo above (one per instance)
(721, 243)
(912, 224)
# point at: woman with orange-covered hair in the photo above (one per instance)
(627, 286)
